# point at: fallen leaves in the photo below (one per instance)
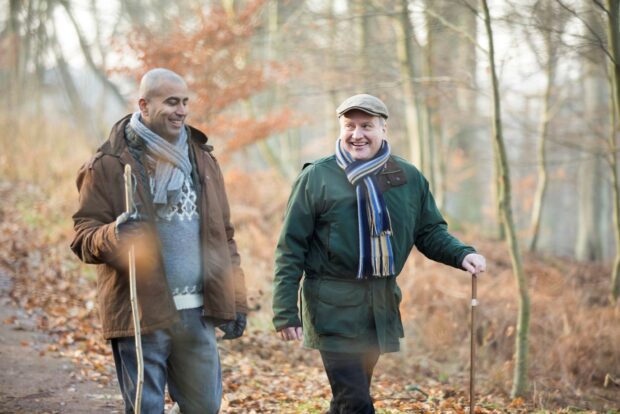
(261, 373)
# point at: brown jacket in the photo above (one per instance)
(102, 199)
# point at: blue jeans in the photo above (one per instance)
(184, 355)
(349, 376)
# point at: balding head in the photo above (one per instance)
(153, 79)
(163, 102)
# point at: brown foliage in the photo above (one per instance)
(213, 51)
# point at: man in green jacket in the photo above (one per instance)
(351, 221)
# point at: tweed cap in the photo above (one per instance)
(363, 102)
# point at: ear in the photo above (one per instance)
(143, 105)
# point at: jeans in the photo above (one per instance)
(184, 355)
(349, 376)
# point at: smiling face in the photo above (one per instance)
(164, 108)
(362, 134)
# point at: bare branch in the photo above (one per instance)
(457, 29)
(88, 55)
(600, 42)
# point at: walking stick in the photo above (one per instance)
(472, 362)
(133, 294)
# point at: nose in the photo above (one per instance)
(181, 109)
(358, 132)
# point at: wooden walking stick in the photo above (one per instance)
(472, 362)
(133, 294)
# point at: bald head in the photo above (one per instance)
(153, 79)
(163, 102)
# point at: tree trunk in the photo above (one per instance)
(589, 243)
(405, 35)
(613, 7)
(431, 126)
(541, 187)
(451, 53)
(360, 9)
(333, 127)
(519, 387)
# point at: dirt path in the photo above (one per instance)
(32, 381)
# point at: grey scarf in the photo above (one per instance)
(171, 162)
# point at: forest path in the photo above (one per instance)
(35, 381)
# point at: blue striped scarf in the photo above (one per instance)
(374, 227)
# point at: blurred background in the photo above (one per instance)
(266, 77)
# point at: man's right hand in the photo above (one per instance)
(292, 333)
(127, 226)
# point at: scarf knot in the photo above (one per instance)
(171, 161)
(376, 257)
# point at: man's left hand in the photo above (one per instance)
(234, 329)
(474, 263)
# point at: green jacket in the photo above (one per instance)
(319, 239)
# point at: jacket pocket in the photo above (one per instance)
(342, 308)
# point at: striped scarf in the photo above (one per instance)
(374, 227)
(172, 165)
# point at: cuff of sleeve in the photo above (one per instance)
(280, 324)
(459, 263)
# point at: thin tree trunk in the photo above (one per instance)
(589, 243)
(360, 8)
(541, 188)
(333, 126)
(407, 74)
(519, 387)
(451, 52)
(613, 7)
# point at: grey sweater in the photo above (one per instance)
(179, 232)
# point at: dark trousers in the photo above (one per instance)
(349, 376)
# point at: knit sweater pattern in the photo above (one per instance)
(179, 232)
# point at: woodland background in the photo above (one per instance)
(509, 107)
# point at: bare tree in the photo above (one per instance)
(549, 21)
(613, 30)
(589, 243)
(406, 60)
(519, 386)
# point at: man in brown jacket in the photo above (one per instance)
(189, 279)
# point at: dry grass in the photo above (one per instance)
(43, 157)
(574, 332)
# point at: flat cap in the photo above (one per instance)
(364, 102)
